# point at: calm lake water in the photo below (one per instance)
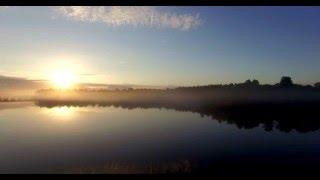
(37, 139)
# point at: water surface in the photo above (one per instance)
(37, 139)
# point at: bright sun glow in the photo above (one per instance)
(63, 79)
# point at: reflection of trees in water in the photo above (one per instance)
(302, 117)
(180, 166)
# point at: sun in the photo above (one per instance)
(63, 79)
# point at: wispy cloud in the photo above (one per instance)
(134, 16)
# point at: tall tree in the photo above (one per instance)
(286, 81)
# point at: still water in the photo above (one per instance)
(37, 139)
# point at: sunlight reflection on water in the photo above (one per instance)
(63, 113)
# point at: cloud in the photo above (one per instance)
(134, 16)
(15, 83)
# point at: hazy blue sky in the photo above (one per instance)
(162, 45)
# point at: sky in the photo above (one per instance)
(178, 46)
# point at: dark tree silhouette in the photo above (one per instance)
(247, 81)
(255, 82)
(249, 84)
(317, 85)
(286, 81)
